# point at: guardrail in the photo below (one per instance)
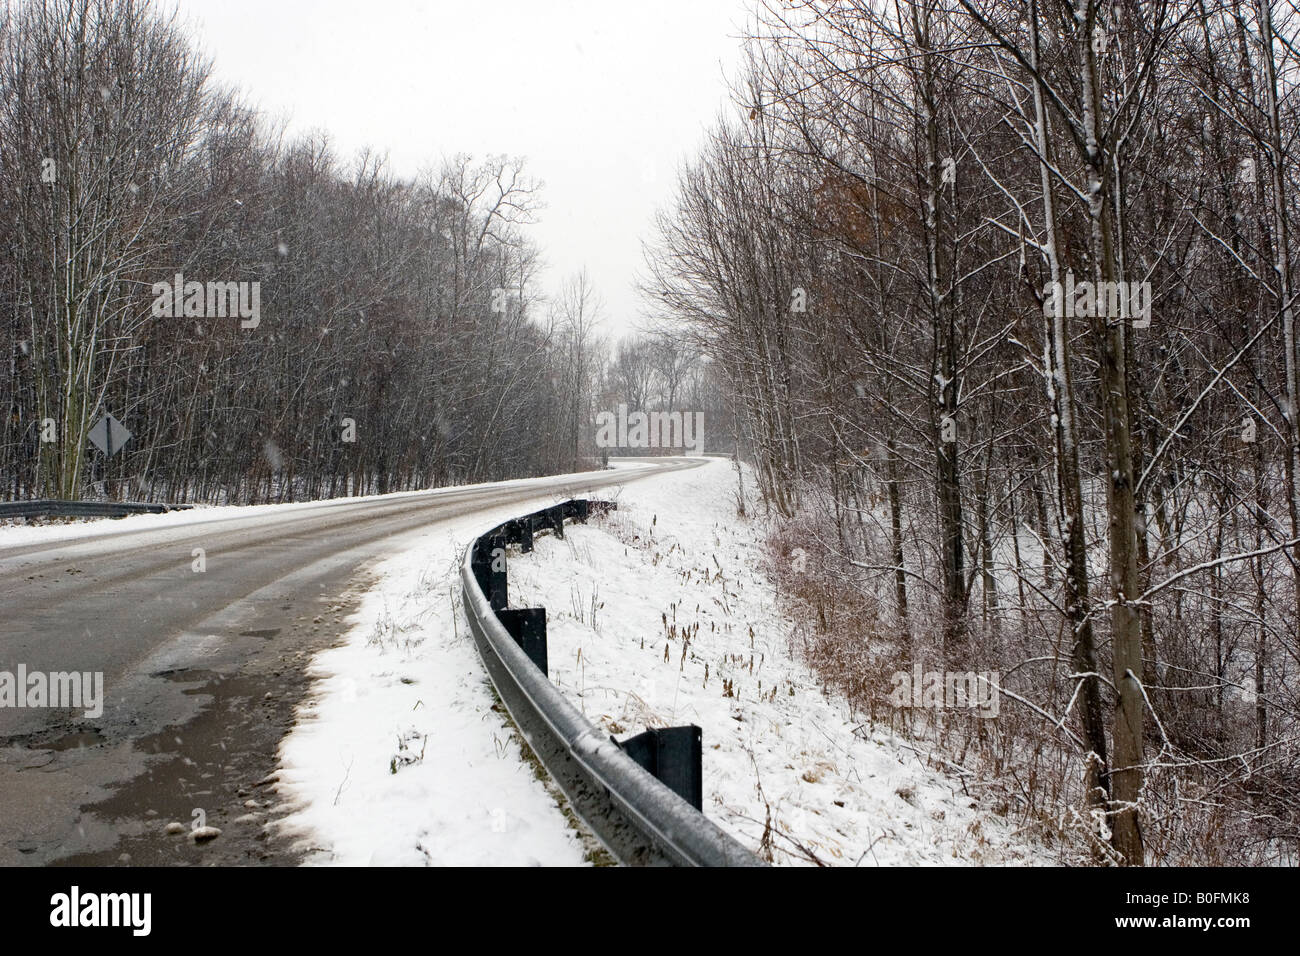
(53, 507)
(642, 818)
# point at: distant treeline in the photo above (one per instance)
(399, 340)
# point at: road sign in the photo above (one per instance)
(109, 435)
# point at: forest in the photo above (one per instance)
(403, 338)
(1005, 296)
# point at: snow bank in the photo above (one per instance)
(657, 616)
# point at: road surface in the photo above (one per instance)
(201, 671)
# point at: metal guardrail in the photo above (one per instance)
(52, 507)
(640, 819)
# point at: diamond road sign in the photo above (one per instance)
(109, 435)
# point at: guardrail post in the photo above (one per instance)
(488, 563)
(555, 519)
(520, 532)
(675, 755)
(497, 576)
(527, 625)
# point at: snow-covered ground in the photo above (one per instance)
(659, 616)
(400, 757)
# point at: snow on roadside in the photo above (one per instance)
(659, 616)
(15, 534)
(400, 757)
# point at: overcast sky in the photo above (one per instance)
(603, 98)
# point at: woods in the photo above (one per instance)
(1097, 502)
(401, 342)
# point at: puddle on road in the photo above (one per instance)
(73, 741)
(268, 633)
(221, 764)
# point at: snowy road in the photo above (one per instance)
(201, 624)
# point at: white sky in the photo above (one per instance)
(603, 98)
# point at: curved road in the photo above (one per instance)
(201, 671)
